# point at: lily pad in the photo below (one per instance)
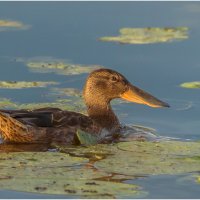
(12, 25)
(24, 84)
(148, 35)
(57, 173)
(191, 85)
(153, 158)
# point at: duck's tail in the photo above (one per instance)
(13, 130)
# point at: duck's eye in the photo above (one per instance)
(114, 78)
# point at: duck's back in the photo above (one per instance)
(41, 125)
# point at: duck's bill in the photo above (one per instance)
(137, 95)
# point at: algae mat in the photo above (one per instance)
(153, 158)
(143, 158)
(149, 35)
(191, 85)
(57, 173)
(81, 170)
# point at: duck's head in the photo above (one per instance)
(103, 85)
(108, 84)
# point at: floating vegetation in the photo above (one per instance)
(6, 103)
(63, 104)
(12, 25)
(191, 85)
(58, 173)
(74, 92)
(148, 35)
(71, 104)
(198, 179)
(142, 158)
(152, 158)
(71, 173)
(86, 138)
(25, 84)
(60, 67)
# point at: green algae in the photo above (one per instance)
(6, 25)
(57, 173)
(9, 23)
(64, 104)
(135, 158)
(6, 103)
(148, 35)
(66, 92)
(198, 179)
(61, 68)
(25, 84)
(37, 159)
(191, 85)
(55, 65)
(70, 104)
(73, 187)
(153, 158)
(84, 171)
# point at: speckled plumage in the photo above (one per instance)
(47, 125)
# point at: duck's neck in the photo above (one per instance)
(102, 114)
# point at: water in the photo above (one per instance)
(69, 30)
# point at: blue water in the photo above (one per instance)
(70, 30)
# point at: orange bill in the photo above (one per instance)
(137, 95)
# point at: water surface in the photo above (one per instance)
(70, 30)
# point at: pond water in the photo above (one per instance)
(69, 32)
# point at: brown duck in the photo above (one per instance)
(52, 124)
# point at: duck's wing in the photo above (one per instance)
(49, 117)
(41, 124)
(38, 117)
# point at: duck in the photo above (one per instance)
(46, 125)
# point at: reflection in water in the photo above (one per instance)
(148, 35)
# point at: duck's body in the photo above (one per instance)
(52, 124)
